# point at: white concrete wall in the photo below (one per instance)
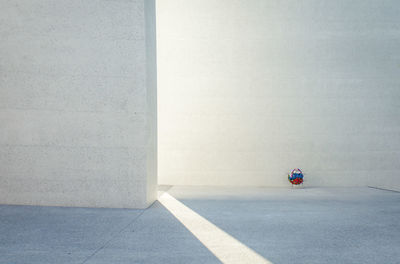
(77, 113)
(151, 99)
(249, 89)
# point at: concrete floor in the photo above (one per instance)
(309, 225)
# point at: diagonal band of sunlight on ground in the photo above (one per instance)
(225, 247)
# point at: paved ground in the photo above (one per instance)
(310, 225)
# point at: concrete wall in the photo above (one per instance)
(249, 89)
(77, 103)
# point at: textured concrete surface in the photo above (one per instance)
(77, 103)
(309, 225)
(248, 90)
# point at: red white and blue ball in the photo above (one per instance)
(296, 177)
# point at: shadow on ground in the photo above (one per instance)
(310, 225)
(338, 225)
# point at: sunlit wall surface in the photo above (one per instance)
(248, 90)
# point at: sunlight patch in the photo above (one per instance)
(225, 247)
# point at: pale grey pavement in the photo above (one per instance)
(309, 225)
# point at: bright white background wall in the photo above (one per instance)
(249, 89)
(77, 103)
